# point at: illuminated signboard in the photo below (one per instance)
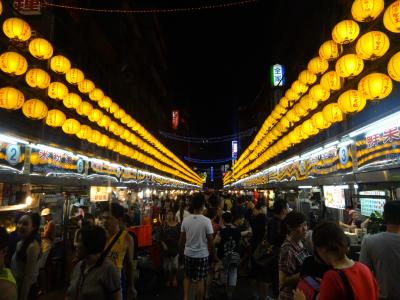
(277, 75)
(334, 196)
(175, 119)
(370, 204)
(234, 150)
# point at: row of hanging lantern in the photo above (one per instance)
(296, 104)
(14, 64)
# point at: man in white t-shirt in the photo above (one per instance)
(196, 238)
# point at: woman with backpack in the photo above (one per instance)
(228, 240)
(348, 279)
(95, 276)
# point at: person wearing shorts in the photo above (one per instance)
(196, 238)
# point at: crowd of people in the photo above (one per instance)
(219, 239)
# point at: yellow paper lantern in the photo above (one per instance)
(292, 95)
(318, 65)
(72, 100)
(60, 64)
(105, 121)
(114, 107)
(13, 63)
(86, 86)
(308, 103)
(275, 115)
(372, 45)
(375, 86)
(292, 116)
(393, 67)
(332, 113)
(95, 115)
(330, 50)
(300, 133)
(299, 87)
(391, 18)
(104, 140)
(119, 114)
(55, 118)
(284, 102)
(96, 94)
(318, 93)
(112, 144)
(308, 128)
(71, 126)
(57, 90)
(34, 109)
(367, 10)
(331, 81)
(284, 123)
(1, 8)
(113, 127)
(307, 77)
(74, 76)
(349, 65)
(11, 98)
(300, 111)
(40, 48)
(351, 101)
(37, 78)
(84, 132)
(345, 32)
(319, 121)
(126, 119)
(105, 102)
(17, 29)
(84, 109)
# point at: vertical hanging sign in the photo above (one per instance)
(212, 174)
(234, 151)
(175, 119)
(277, 75)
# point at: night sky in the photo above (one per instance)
(219, 60)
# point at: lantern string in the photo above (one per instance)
(151, 11)
(209, 140)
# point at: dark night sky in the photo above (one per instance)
(219, 60)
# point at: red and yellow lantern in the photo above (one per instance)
(11, 98)
(319, 121)
(318, 93)
(55, 118)
(34, 109)
(393, 67)
(71, 126)
(40, 48)
(17, 29)
(84, 109)
(57, 91)
(345, 32)
(332, 113)
(96, 94)
(72, 100)
(105, 102)
(391, 18)
(367, 10)
(307, 77)
(37, 78)
(95, 115)
(330, 50)
(375, 86)
(349, 65)
(308, 128)
(13, 63)
(351, 101)
(372, 45)
(86, 86)
(74, 76)
(84, 132)
(331, 81)
(318, 65)
(60, 64)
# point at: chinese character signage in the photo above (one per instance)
(175, 119)
(277, 75)
(234, 151)
(27, 7)
(53, 163)
(106, 169)
(99, 193)
(378, 148)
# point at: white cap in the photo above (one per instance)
(45, 212)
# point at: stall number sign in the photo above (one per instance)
(13, 154)
(370, 205)
(99, 193)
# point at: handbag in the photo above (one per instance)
(265, 254)
(309, 286)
